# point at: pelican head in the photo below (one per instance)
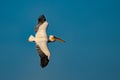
(53, 38)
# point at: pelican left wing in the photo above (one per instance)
(41, 20)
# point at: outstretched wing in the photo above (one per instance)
(41, 20)
(43, 58)
(41, 40)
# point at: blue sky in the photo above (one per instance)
(91, 29)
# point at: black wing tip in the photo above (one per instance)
(44, 61)
(41, 18)
(43, 58)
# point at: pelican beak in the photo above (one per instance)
(60, 40)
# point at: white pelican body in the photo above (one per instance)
(41, 39)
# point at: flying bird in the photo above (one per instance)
(41, 39)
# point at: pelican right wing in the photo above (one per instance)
(43, 58)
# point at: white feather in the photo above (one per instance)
(31, 38)
(41, 38)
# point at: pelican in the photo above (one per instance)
(41, 39)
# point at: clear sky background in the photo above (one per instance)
(91, 29)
